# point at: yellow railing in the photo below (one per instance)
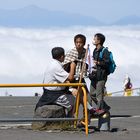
(80, 85)
(41, 85)
(128, 92)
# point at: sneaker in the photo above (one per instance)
(100, 112)
(96, 112)
(93, 113)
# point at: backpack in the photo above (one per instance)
(112, 65)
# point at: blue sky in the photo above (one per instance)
(103, 10)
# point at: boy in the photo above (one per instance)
(99, 74)
(77, 55)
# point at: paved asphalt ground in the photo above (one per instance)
(125, 121)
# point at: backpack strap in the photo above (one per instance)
(101, 53)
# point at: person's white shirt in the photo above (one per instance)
(55, 73)
(89, 59)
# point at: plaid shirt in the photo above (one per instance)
(72, 56)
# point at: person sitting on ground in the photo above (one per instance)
(55, 73)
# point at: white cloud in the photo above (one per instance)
(25, 53)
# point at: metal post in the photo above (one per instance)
(7, 120)
(104, 122)
(85, 108)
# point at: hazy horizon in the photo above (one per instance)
(25, 53)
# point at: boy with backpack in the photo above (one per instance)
(102, 68)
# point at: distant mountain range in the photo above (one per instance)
(35, 17)
(128, 20)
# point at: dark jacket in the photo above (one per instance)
(102, 67)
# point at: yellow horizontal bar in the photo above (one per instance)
(41, 85)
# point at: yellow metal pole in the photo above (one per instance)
(77, 109)
(85, 108)
(41, 85)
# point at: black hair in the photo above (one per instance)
(57, 52)
(100, 37)
(80, 36)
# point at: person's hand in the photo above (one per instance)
(96, 62)
(67, 81)
(74, 92)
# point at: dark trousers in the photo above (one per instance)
(97, 94)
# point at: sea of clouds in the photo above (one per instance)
(25, 54)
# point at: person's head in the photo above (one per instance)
(79, 41)
(58, 53)
(98, 39)
(127, 78)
